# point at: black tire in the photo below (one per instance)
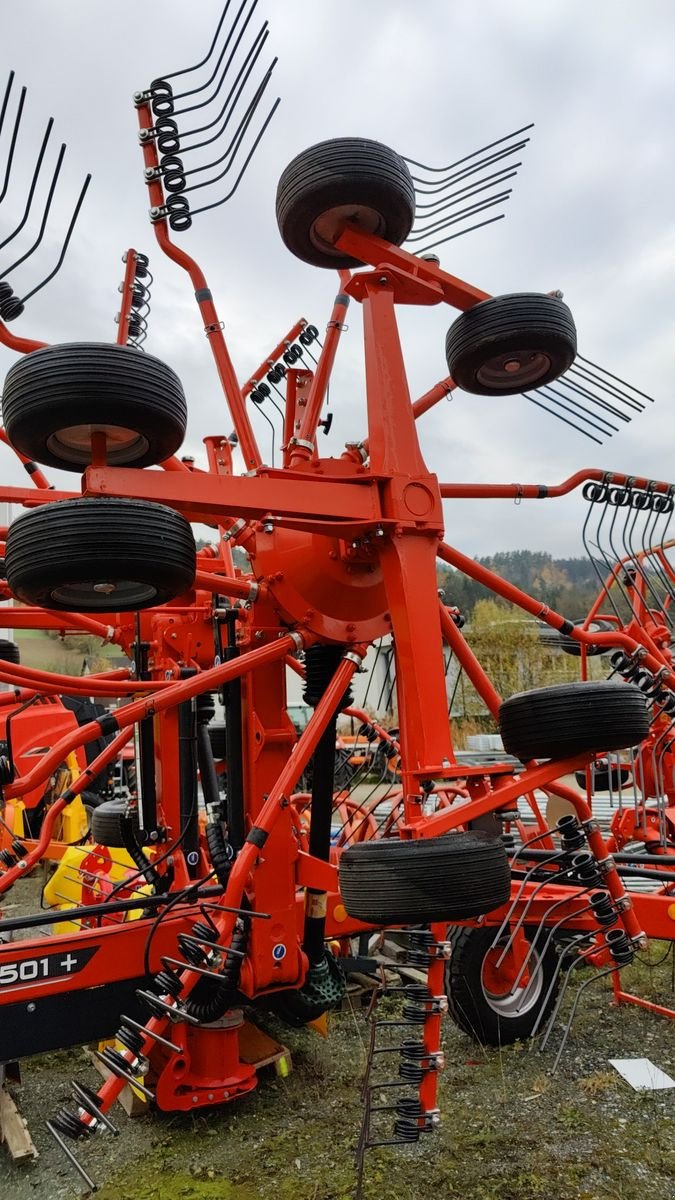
(100, 555)
(343, 180)
(554, 639)
(54, 398)
(511, 344)
(9, 651)
(602, 780)
(491, 1018)
(106, 823)
(218, 739)
(573, 718)
(449, 878)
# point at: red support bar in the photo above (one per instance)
(273, 356)
(544, 491)
(374, 250)
(22, 345)
(467, 659)
(322, 374)
(127, 293)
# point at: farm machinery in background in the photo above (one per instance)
(219, 882)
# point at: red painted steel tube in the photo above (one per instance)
(212, 323)
(273, 356)
(515, 596)
(38, 478)
(127, 292)
(173, 464)
(374, 250)
(227, 586)
(265, 821)
(465, 655)
(23, 345)
(75, 788)
(171, 694)
(324, 367)
(438, 392)
(544, 491)
(94, 685)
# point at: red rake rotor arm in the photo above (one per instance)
(212, 324)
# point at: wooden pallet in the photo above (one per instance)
(14, 1130)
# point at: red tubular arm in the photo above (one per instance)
(324, 367)
(468, 661)
(212, 324)
(33, 857)
(543, 491)
(171, 694)
(273, 356)
(125, 306)
(22, 345)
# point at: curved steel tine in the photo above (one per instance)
(41, 232)
(205, 59)
(529, 396)
(470, 188)
(472, 210)
(616, 378)
(576, 404)
(587, 544)
(5, 99)
(590, 379)
(62, 255)
(490, 146)
(585, 392)
(582, 988)
(637, 559)
(466, 172)
(528, 903)
(526, 879)
(247, 66)
(460, 233)
(551, 932)
(235, 142)
(179, 112)
(249, 156)
(33, 185)
(12, 144)
(577, 941)
(580, 416)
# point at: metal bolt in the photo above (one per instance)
(31, 1007)
(383, 280)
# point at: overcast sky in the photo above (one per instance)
(592, 209)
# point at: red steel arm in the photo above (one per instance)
(212, 324)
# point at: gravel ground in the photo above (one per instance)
(510, 1130)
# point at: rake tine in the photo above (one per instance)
(616, 378)
(581, 390)
(570, 400)
(470, 188)
(33, 185)
(45, 215)
(236, 140)
(472, 210)
(205, 59)
(247, 67)
(530, 396)
(59, 264)
(460, 233)
(490, 146)
(249, 156)
(12, 145)
(180, 112)
(467, 171)
(588, 377)
(570, 1019)
(5, 101)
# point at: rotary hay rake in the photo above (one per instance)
(237, 903)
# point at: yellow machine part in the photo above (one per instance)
(65, 888)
